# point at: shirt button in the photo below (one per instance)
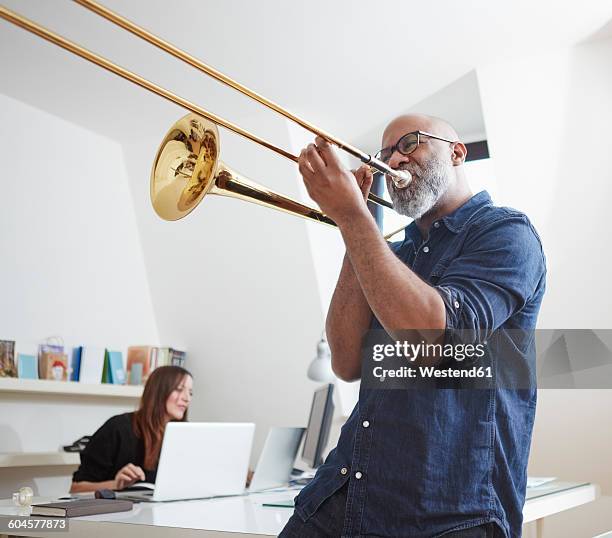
(436, 224)
(344, 470)
(365, 423)
(457, 304)
(426, 249)
(358, 475)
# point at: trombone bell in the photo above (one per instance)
(184, 167)
(187, 167)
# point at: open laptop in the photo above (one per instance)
(275, 463)
(199, 460)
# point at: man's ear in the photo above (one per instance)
(459, 153)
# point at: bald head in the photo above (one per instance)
(420, 122)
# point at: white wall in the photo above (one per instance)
(547, 120)
(71, 265)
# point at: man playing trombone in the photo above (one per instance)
(424, 463)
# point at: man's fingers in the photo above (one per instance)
(359, 175)
(368, 177)
(316, 160)
(362, 174)
(327, 152)
(365, 174)
(304, 167)
(363, 177)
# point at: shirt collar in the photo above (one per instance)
(456, 220)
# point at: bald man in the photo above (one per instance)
(430, 462)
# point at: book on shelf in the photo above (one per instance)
(138, 366)
(153, 359)
(165, 356)
(162, 356)
(113, 371)
(177, 358)
(75, 363)
(8, 368)
(81, 507)
(27, 366)
(91, 364)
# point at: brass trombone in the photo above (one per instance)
(187, 164)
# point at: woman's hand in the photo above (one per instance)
(127, 475)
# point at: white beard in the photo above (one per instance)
(429, 183)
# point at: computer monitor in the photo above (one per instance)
(319, 424)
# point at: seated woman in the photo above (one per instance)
(126, 448)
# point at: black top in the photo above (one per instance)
(112, 447)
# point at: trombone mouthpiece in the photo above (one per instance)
(402, 179)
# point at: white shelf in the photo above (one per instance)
(38, 459)
(47, 386)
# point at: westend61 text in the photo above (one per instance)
(430, 371)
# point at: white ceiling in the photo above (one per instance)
(346, 65)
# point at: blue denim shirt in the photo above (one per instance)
(421, 463)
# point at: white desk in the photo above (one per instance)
(555, 497)
(241, 517)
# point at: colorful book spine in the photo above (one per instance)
(118, 376)
(177, 358)
(113, 371)
(75, 363)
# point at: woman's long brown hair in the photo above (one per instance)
(150, 420)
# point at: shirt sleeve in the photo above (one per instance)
(498, 271)
(98, 460)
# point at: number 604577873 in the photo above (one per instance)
(37, 523)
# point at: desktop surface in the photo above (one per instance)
(246, 515)
(550, 488)
(238, 514)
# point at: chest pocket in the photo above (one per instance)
(453, 250)
(437, 272)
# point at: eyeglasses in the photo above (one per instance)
(406, 145)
